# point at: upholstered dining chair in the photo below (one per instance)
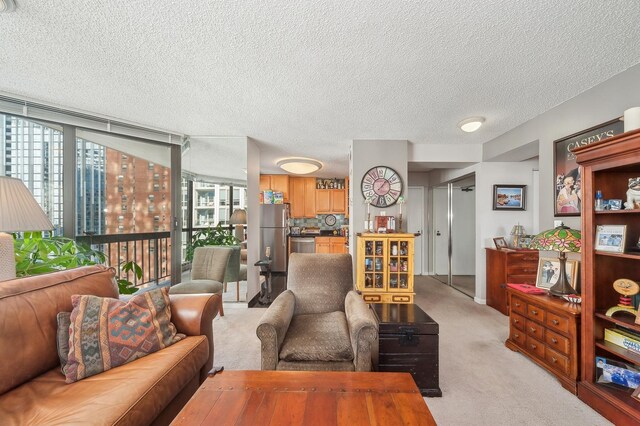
(319, 322)
(235, 271)
(207, 272)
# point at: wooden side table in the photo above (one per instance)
(408, 341)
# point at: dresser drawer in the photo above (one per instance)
(522, 269)
(517, 321)
(523, 257)
(521, 279)
(557, 342)
(535, 312)
(535, 330)
(518, 336)
(558, 322)
(372, 298)
(519, 306)
(535, 347)
(557, 361)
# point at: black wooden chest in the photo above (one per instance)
(408, 342)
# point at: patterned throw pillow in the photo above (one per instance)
(106, 333)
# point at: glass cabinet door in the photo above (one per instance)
(374, 264)
(398, 265)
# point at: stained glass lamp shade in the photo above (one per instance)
(561, 239)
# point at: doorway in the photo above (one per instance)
(454, 224)
(415, 225)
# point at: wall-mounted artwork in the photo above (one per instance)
(568, 197)
(509, 197)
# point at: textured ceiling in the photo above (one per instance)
(304, 78)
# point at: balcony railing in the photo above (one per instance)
(150, 250)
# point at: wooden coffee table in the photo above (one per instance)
(306, 398)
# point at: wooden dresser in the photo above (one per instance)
(547, 330)
(508, 266)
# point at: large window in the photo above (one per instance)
(32, 152)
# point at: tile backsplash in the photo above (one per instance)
(319, 222)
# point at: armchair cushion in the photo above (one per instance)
(197, 287)
(318, 337)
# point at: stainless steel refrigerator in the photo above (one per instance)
(274, 231)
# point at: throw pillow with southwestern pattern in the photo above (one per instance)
(105, 333)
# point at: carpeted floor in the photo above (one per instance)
(482, 382)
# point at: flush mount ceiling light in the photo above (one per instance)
(471, 124)
(299, 166)
(7, 6)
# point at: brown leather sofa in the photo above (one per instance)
(149, 390)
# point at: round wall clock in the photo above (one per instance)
(382, 185)
(330, 220)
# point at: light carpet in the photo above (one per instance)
(482, 382)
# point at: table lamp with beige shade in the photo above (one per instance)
(239, 219)
(19, 211)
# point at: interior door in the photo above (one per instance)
(440, 234)
(415, 224)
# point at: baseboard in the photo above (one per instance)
(480, 301)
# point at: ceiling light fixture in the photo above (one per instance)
(7, 6)
(299, 166)
(471, 124)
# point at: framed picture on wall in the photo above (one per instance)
(567, 179)
(509, 197)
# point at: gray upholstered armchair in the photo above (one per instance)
(319, 323)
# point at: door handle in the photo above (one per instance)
(438, 233)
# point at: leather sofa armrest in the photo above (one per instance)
(273, 327)
(363, 330)
(193, 315)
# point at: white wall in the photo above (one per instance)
(597, 105)
(253, 218)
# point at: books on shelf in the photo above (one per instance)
(618, 373)
(623, 338)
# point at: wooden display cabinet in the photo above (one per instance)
(385, 267)
(607, 166)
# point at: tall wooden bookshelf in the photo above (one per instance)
(607, 166)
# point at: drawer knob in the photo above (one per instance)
(554, 359)
(554, 340)
(533, 346)
(516, 335)
(534, 312)
(515, 321)
(517, 304)
(533, 329)
(555, 322)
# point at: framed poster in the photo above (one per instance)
(568, 201)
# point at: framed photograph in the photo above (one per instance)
(500, 243)
(549, 272)
(567, 183)
(611, 238)
(524, 241)
(509, 197)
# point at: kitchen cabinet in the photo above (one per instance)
(330, 201)
(302, 197)
(384, 269)
(279, 183)
(346, 197)
(331, 245)
(607, 166)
